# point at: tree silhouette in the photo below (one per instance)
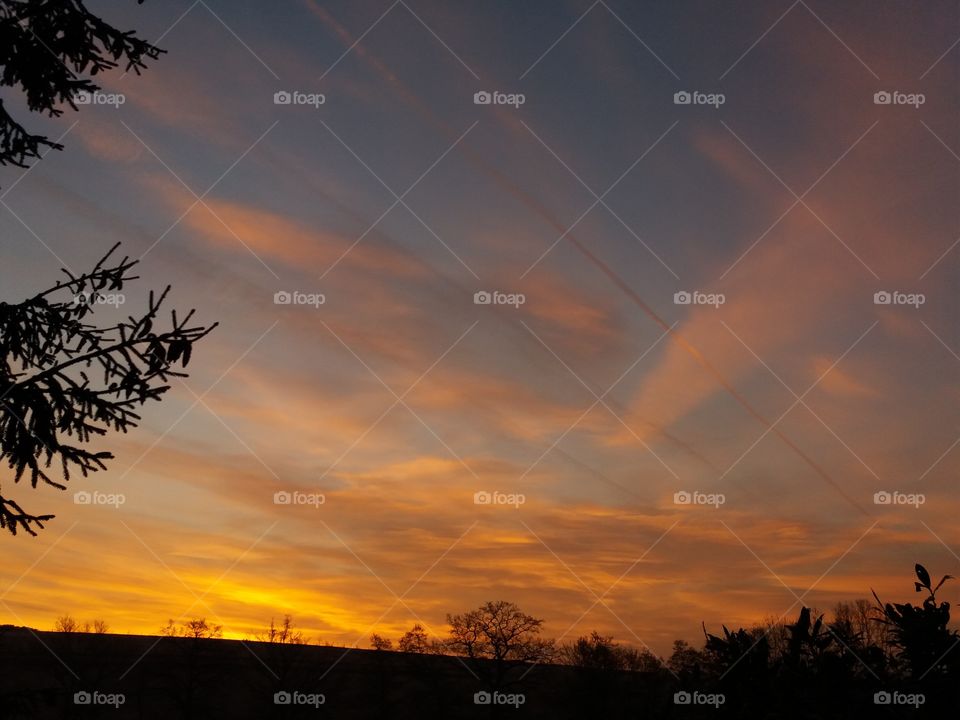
(378, 642)
(499, 632)
(282, 634)
(66, 623)
(596, 652)
(597, 660)
(415, 640)
(685, 661)
(824, 670)
(46, 49)
(48, 352)
(195, 628)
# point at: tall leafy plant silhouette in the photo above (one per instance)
(919, 633)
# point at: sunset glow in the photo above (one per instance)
(615, 357)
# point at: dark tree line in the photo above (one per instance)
(868, 659)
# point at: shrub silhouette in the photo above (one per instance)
(594, 652)
(742, 653)
(920, 634)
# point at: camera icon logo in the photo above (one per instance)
(83, 97)
(682, 698)
(682, 98)
(282, 298)
(682, 298)
(282, 698)
(882, 698)
(482, 98)
(482, 498)
(882, 297)
(882, 98)
(482, 698)
(82, 498)
(282, 97)
(482, 297)
(82, 698)
(282, 497)
(882, 498)
(682, 498)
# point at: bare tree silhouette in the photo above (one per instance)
(47, 349)
(196, 628)
(378, 642)
(498, 637)
(415, 640)
(282, 634)
(66, 623)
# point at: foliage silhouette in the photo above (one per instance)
(48, 348)
(282, 634)
(46, 49)
(378, 642)
(920, 634)
(415, 640)
(501, 633)
(825, 670)
(195, 628)
(66, 623)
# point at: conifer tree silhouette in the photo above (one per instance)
(47, 49)
(65, 381)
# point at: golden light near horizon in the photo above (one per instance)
(639, 317)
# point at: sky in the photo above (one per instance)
(588, 399)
